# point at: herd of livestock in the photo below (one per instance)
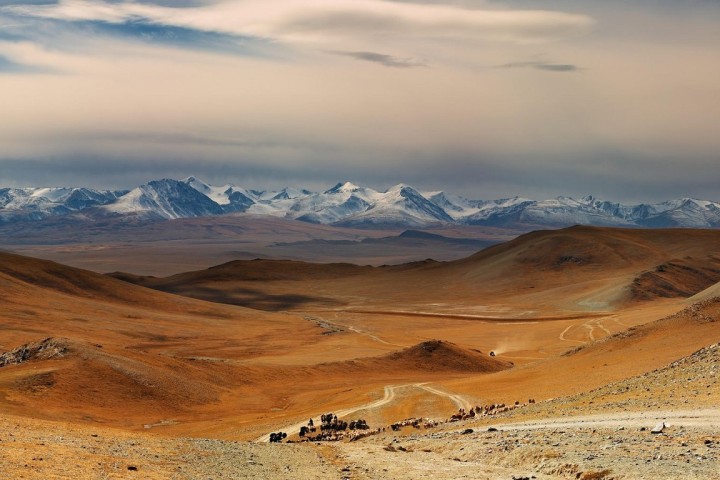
(332, 429)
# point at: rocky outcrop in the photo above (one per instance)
(42, 350)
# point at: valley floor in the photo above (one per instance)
(170, 378)
(603, 434)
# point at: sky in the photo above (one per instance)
(485, 99)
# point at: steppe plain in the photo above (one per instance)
(178, 366)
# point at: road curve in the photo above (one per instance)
(389, 395)
(458, 400)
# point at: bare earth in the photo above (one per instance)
(611, 331)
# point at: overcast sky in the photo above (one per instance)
(483, 98)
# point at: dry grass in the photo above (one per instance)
(197, 368)
(601, 475)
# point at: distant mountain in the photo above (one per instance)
(566, 211)
(346, 204)
(165, 199)
(229, 197)
(400, 205)
(39, 203)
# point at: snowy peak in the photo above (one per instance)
(201, 187)
(229, 197)
(346, 187)
(683, 212)
(239, 200)
(165, 199)
(456, 206)
(348, 204)
(399, 205)
(414, 201)
(40, 203)
(288, 193)
(589, 210)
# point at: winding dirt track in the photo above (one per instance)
(686, 418)
(591, 325)
(458, 400)
(389, 395)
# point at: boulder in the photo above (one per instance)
(658, 428)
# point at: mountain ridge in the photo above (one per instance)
(346, 205)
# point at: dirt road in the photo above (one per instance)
(677, 418)
(390, 394)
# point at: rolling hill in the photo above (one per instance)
(84, 347)
(573, 269)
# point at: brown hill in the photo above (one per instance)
(213, 368)
(241, 282)
(126, 355)
(590, 257)
(688, 329)
(442, 356)
(573, 269)
(632, 352)
(260, 270)
(689, 381)
(84, 381)
(677, 278)
(28, 273)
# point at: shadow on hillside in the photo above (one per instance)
(246, 297)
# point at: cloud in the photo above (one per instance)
(4, 3)
(557, 67)
(382, 59)
(171, 35)
(8, 65)
(164, 91)
(545, 66)
(324, 20)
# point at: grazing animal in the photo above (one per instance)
(277, 437)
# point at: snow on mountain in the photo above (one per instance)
(230, 197)
(39, 203)
(344, 187)
(82, 198)
(560, 211)
(284, 194)
(684, 212)
(239, 200)
(20, 204)
(569, 211)
(333, 205)
(400, 205)
(165, 199)
(274, 203)
(498, 212)
(455, 206)
(564, 211)
(347, 204)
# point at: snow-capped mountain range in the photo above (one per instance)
(345, 204)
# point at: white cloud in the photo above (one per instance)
(316, 99)
(324, 21)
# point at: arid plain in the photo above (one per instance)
(183, 376)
